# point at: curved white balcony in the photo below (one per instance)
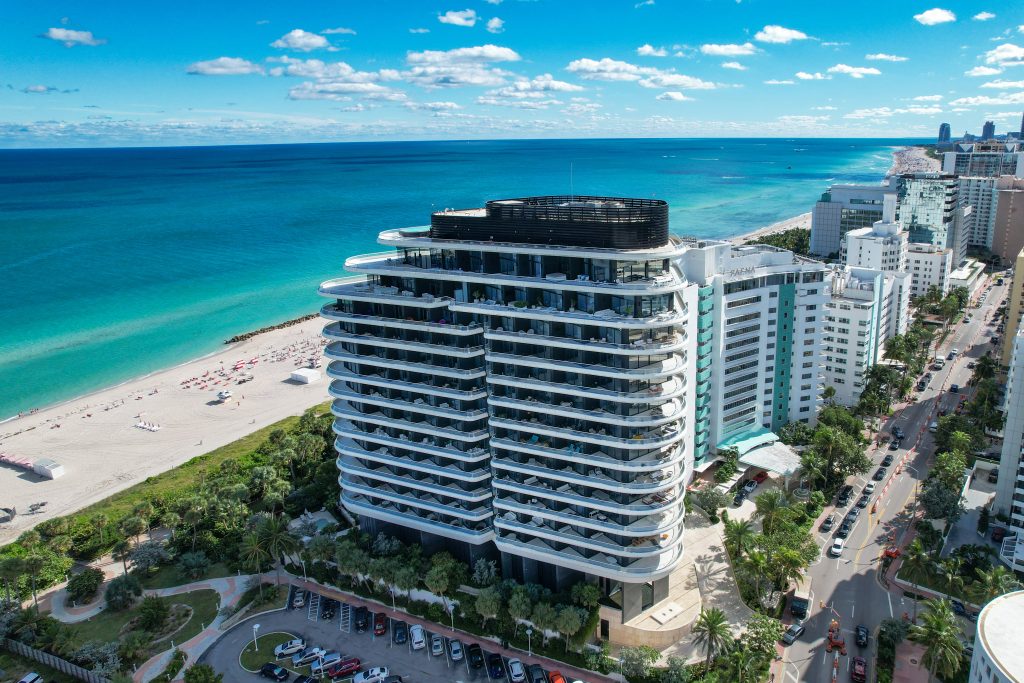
(385, 492)
(600, 564)
(410, 238)
(415, 406)
(360, 290)
(424, 445)
(650, 371)
(343, 375)
(421, 368)
(663, 437)
(670, 411)
(564, 533)
(598, 500)
(673, 387)
(419, 427)
(424, 466)
(645, 463)
(455, 529)
(606, 318)
(332, 312)
(595, 478)
(659, 523)
(676, 343)
(401, 344)
(427, 485)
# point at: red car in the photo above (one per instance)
(380, 624)
(760, 477)
(858, 670)
(344, 668)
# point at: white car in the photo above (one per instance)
(374, 675)
(299, 600)
(837, 547)
(516, 671)
(955, 351)
(455, 650)
(308, 656)
(417, 638)
(933, 427)
(750, 486)
(289, 648)
(869, 487)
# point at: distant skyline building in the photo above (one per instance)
(843, 208)
(990, 159)
(944, 133)
(988, 130)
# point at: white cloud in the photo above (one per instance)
(775, 81)
(1004, 85)
(673, 96)
(466, 17)
(340, 91)
(46, 90)
(927, 98)
(300, 40)
(526, 88)
(733, 65)
(495, 25)
(577, 108)
(935, 16)
(674, 80)
(882, 57)
(1009, 98)
(70, 38)
(340, 30)
(648, 50)
(225, 66)
(643, 3)
(432, 106)
(854, 71)
(773, 33)
(459, 67)
(315, 68)
(1007, 52)
(983, 16)
(359, 106)
(532, 104)
(816, 76)
(728, 49)
(493, 2)
(419, 30)
(825, 108)
(887, 112)
(801, 120)
(607, 69)
(983, 71)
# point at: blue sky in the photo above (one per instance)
(139, 73)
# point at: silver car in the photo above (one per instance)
(455, 650)
(436, 645)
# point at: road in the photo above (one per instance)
(848, 586)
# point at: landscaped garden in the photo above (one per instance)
(255, 655)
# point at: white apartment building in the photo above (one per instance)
(764, 334)
(998, 657)
(885, 247)
(928, 265)
(854, 329)
(1009, 499)
(981, 193)
(517, 380)
(990, 159)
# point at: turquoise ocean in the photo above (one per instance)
(118, 262)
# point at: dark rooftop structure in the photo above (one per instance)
(570, 220)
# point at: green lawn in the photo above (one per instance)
(252, 660)
(121, 504)
(106, 626)
(14, 667)
(168, 576)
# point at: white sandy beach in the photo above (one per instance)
(803, 221)
(103, 451)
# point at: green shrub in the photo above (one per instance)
(83, 586)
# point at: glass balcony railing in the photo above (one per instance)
(702, 414)
(702, 426)
(704, 363)
(705, 337)
(702, 400)
(700, 450)
(704, 376)
(705, 321)
(705, 305)
(705, 291)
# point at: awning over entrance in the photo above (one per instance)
(761, 448)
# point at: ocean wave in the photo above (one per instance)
(700, 159)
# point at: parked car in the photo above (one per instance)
(998, 534)
(869, 487)
(274, 672)
(828, 523)
(516, 671)
(289, 647)
(993, 476)
(793, 632)
(343, 668)
(328, 609)
(399, 632)
(939, 364)
(760, 477)
(837, 547)
(858, 670)
(897, 432)
(308, 656)
(455, 650)
(299, 600)
(495, 667)
(846, 490)
(922, 385)
(436, 645)
(738, 499)
(863, 501)
(535, 674)
(476, 656)
(933, 427)
(361, 619)
(417, 637)
(555, 677)
(954, 352)
(844, 529)
(853, 514)
(954, 388)
(887, 460)
(750, 486)
(972, 365)
(375, 675)
(951, 356)
(322, 664)
(380, 624)
(880, 474)
(861, 634)
(894, 445)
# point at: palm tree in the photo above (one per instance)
(275, 537)
(253, 555)
(738, 535)
(940, 636)
(769, 508)
(711, 633)
(34, 564)
(949, 573)
(985, 368)
(99, 522)
(10, 569)
(993, 583)
(917, 565)
(756, 566)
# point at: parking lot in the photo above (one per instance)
(337, 632)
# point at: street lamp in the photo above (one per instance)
(255, 628)
(529, 641)
(451, 613)
(302, 561)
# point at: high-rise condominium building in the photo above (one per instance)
(984, 159)
(515, 379)
(928, 265)
(998, 657)
(843, 208)
(944, 133)
(763, 337)
(1008, 223)
(928, 207)
(1009, 498)
(1014, 308)
(980, 193)
(884, 247)
(988, 130)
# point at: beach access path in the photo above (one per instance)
(102, 449)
